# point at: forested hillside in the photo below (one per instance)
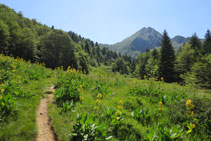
(31, 40)
(78, 90)
(191, 64)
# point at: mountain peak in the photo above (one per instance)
(145, 30)
(148, 29)
(145, 38)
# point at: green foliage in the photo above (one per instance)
(175, 133)
(200, 73)
(113, 117)
(185, 59)
(142, 61)
(19, 97)
(149, 110)
(207, 43)
(101, 87)
(120, 66)
(4, 36)
(142, 115)
(150, 102)
(195, 43)
(152, 65)
(166, 66)
(83, 62)
(156, 95)
(87, 128)
(30, 40)
(7, 102)
(57, 49)
(69, 89)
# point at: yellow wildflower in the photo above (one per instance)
(1, 97)
(162, 79)
(121, 101)
(13, 70)
(117, 118)
(160, 103)
(98, 101)
(120, 107)
(188, 102)
(99, 95)
(2, 90)
(192, 125)
(118, 112)
(16, 60)
(189, 105)
(2, 85)
(161, 109)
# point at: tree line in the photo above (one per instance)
(191, 64)
(31, 40)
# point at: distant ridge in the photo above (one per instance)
(145, 38)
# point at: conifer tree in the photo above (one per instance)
(166, 67)
(195, 44)
(207, 43)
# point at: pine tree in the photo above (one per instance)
(166, 66)
(207, 43)
(195, 44)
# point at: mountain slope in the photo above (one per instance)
(178, 41)
(146, 38)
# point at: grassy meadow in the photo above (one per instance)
(107, 106)
(22, 86)
(99, 106)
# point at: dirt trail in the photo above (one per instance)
(45, 132)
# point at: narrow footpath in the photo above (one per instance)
(45, 132)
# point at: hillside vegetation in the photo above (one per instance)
(101, 105)
(31, 40)
(99, 94)
(22, 86)
(109, 106)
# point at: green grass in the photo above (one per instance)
(130, 128)
(34, 81)
(103, 103)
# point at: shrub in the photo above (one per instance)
(88, 128)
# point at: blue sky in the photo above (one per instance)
(110, 21)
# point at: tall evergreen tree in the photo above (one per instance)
(207, 43)
(166, 66)
(195, 44)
